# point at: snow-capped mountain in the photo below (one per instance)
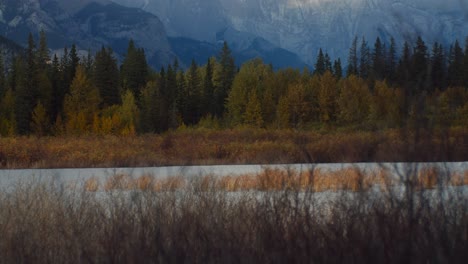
(88, 23)
(303, 26)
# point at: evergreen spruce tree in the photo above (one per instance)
(328, 64)
(208, 90)
(320, 66)
(226, 78)
(192, 114)
(43, 56)
(3, 83)
(106, 77)
(365, 60)
(337, 69)
(391, 62)
(437, 67)
(404, 70)
(465, 64)
(74, 61)
(353, 59)
(57, 91)
(134, 69)
(378, 60)
(27, 93)
(455, 65)
(420, 65)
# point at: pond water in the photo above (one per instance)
(8, 177)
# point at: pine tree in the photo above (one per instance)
(74, 61)
(106, 77)
(57, 91)
(26, 94)
(3, 83)
(328, 64)
(208, 90)
(353, 59)
(420, 65)
(455, 67)
(226, 78)
(134, 69)
(378, 60)
(320, 66)
(365, 60)
(337, 70)
(192, 114)
(465, 64)
(437, 67)
(43, 56)
(405, 68)
(391, 62)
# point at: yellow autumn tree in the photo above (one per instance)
(40, 120)
(326, 98)
(81, 104)
(353, 102)
(7, 114)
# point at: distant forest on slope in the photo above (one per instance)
(380, 88)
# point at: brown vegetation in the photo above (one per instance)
(315, 180)
(241, 146)
(43, 223)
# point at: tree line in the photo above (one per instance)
(54, 95)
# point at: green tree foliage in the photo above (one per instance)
(208, 100)
(150, 111)
(3, 82)
(193, 110)
(378, 60)
(391, 62)
(437, 67)
(81, 104)
(420, 66)
(455, 65)
(225, 78)
(25, 90)
(353, 59)
(337, 69)
(365, 60)
(320, 65)
(465, 64)
(134, 70)
(251, 76)
(106, 77)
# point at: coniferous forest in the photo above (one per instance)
(381, 87)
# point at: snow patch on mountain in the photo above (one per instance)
(304, 26)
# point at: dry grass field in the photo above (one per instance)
(239, 146)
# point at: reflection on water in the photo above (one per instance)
(8, 177)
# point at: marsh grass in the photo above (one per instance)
(237, 146)
(316, 180)
(217, 220)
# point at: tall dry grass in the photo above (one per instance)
(202, 223)
(316, 180)
(242, 146)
